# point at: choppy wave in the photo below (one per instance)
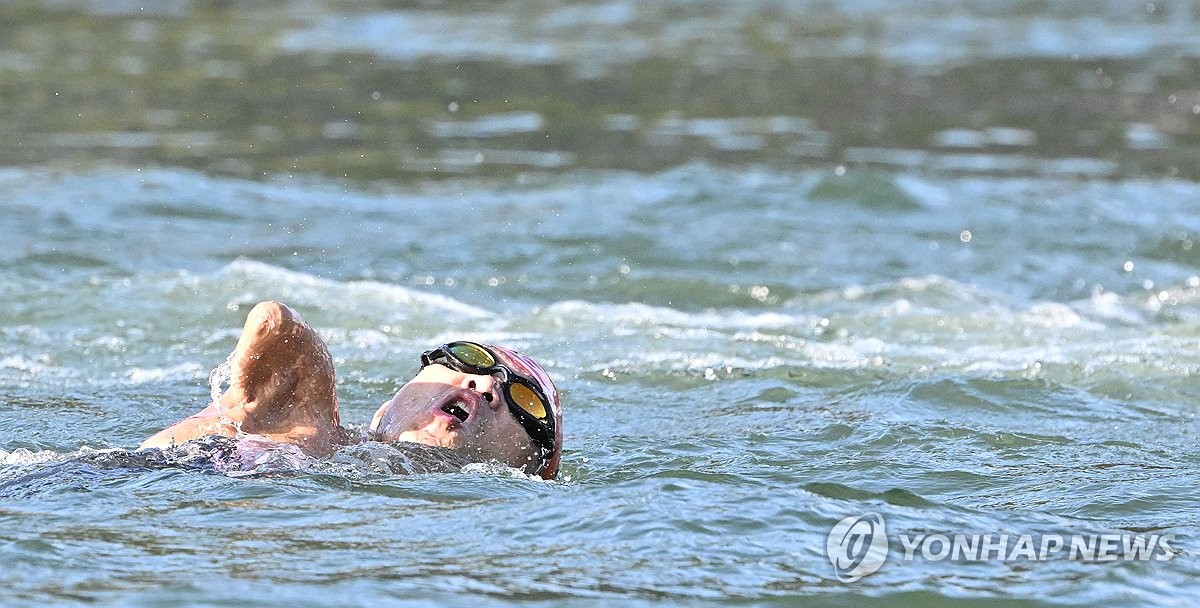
(25, 473)
(737, 361)
(354, 297)
(920, 324)
(22, 456)
(911, 325)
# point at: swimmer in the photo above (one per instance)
(481, 401)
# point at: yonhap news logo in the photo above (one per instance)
(858, 546)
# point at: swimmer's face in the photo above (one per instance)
(460, 411)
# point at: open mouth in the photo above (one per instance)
(456, 410)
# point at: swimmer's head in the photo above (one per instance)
(487, 401)
(552, 418)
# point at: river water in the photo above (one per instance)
(788, 262)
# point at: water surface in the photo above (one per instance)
(764, 316)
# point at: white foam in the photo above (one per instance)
(1056, 315)
(183, 371)
(39, 367)
(493, 468)
(643, 314)
(916, 324)
(21, 362)
(23, 456)
(1110, 306)
(299, 288)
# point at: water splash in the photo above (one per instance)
(23, 456)
(219, 376)
(256, 455)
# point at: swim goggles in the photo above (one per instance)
(525, 399)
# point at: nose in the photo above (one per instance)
(487, 386)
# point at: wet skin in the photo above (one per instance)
(282, 388)
(456, 410)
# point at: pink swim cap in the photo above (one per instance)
(533, 370)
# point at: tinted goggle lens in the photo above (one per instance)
(527, 399)
(473, 355)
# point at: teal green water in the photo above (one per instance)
(731, 392)
(762, 320)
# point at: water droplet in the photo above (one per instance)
(218, 376)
